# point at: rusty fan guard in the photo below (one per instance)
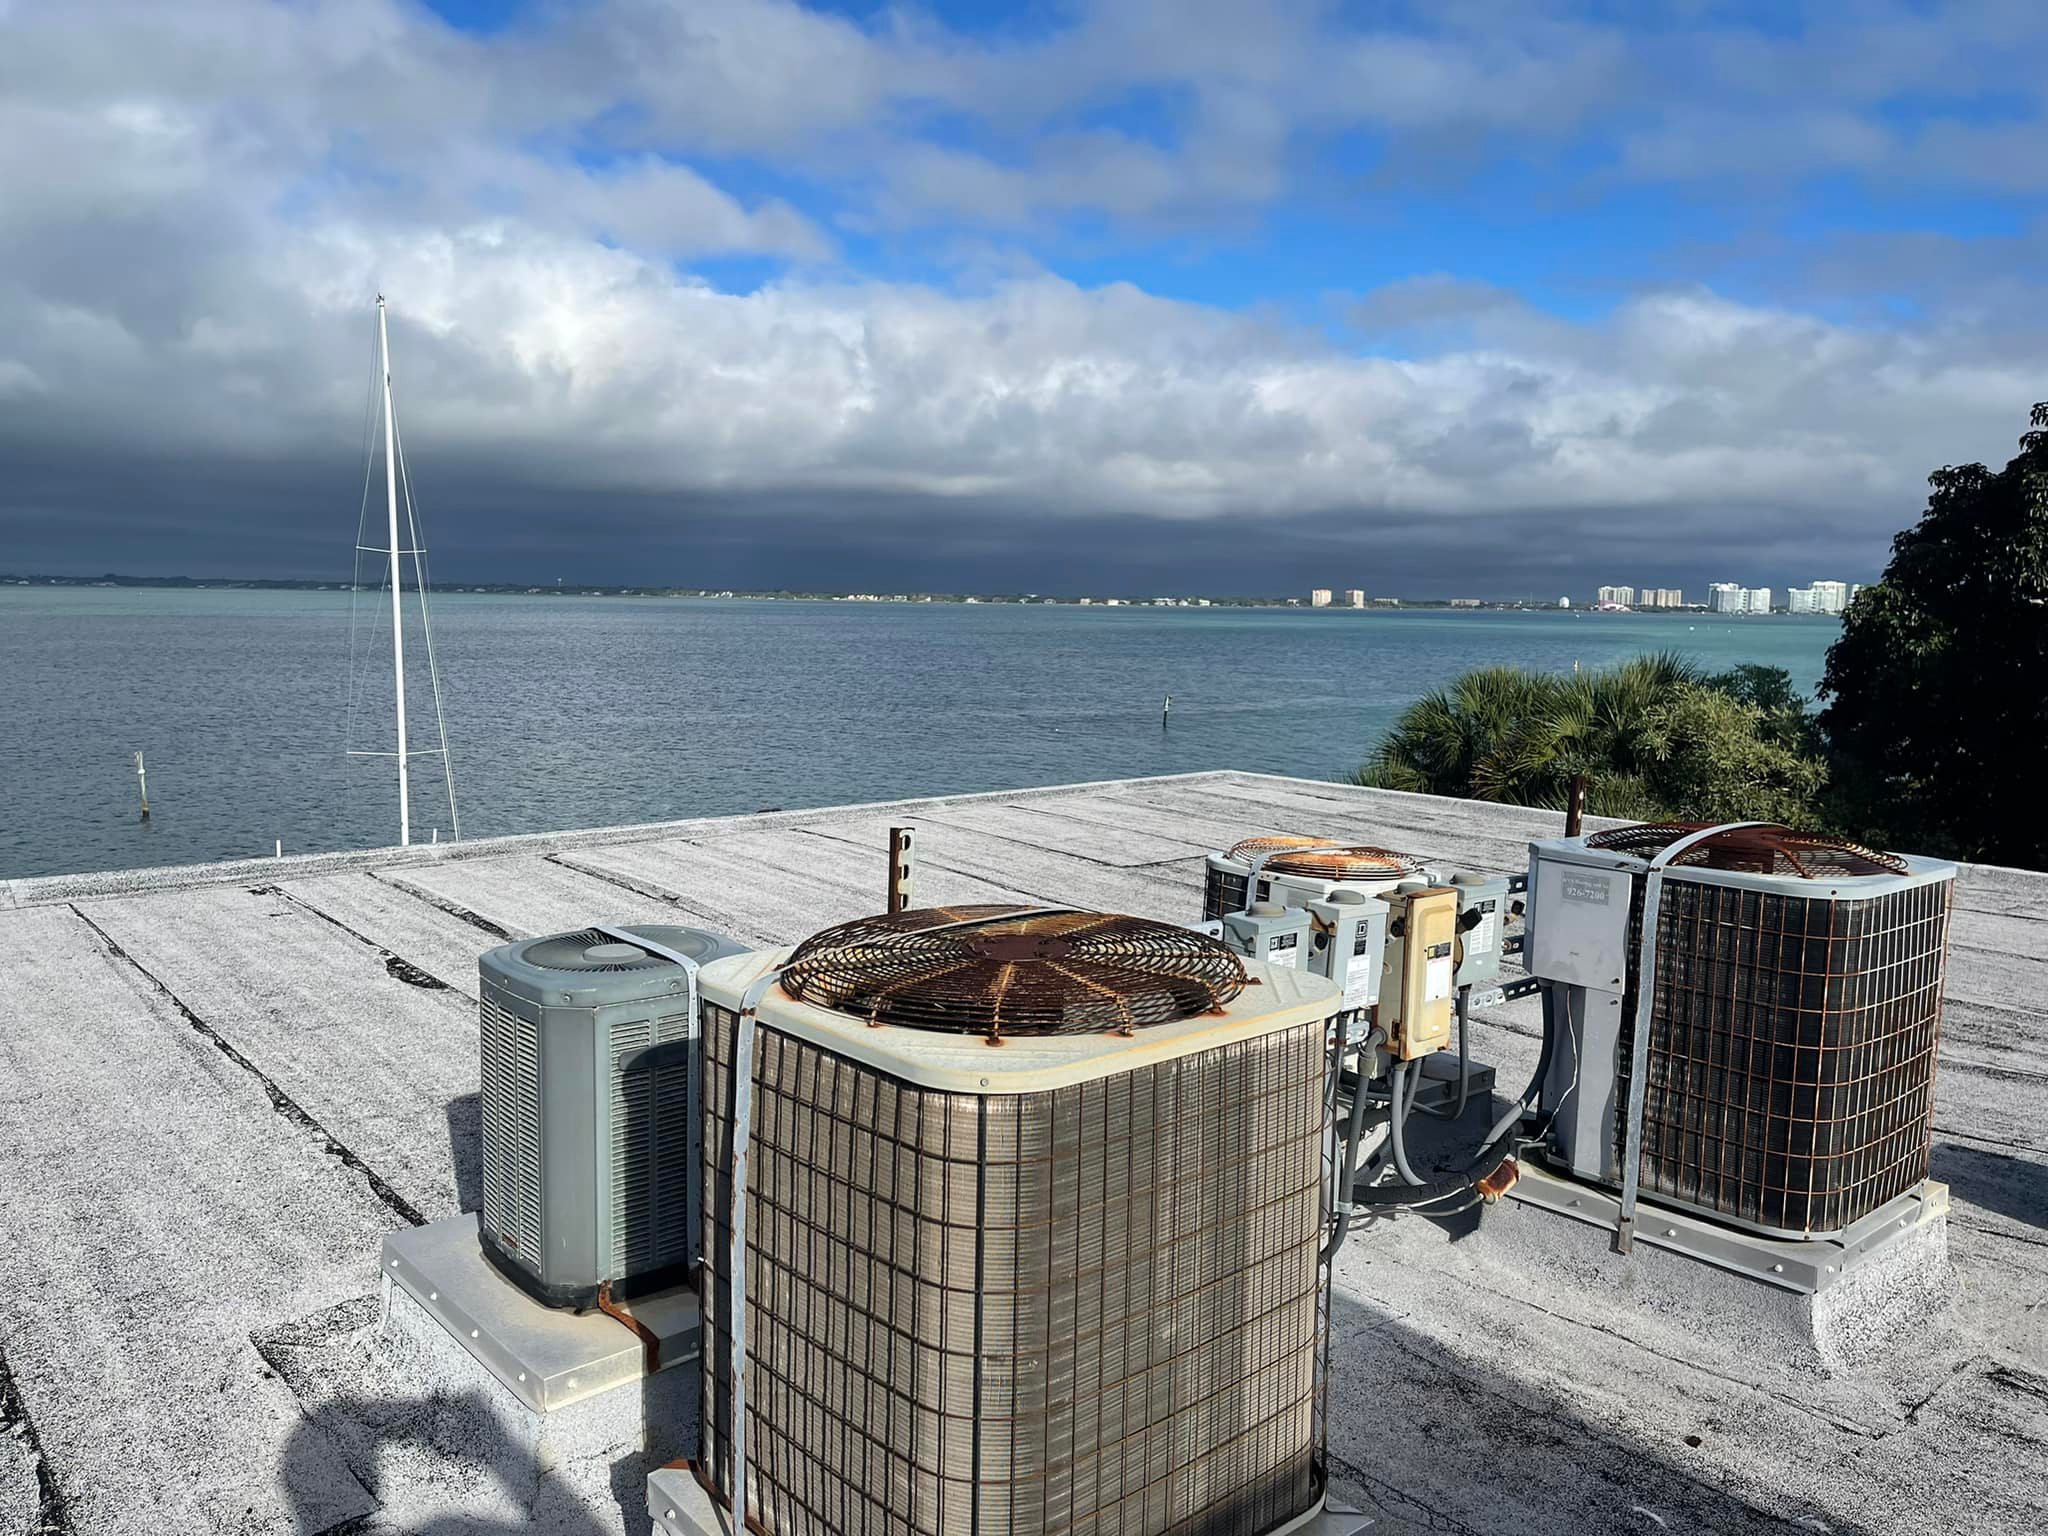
(1322, 859)
(1359, 863)
(1252, 847)
(1766, 850)
(997, 971)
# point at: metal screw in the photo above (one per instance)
(472, 1333)
(1777, 1269)
(433, 1295)
(522, 1375)
(1671, 1231)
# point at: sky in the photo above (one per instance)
(1150, 296)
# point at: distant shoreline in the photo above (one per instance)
(603, 589)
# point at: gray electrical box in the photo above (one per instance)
(591, 1109)
(1482, 917)
(1271, 934)
(1347, 942)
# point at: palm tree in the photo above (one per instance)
(1509, 734)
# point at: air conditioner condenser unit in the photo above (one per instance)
(1776, 1053)
(1032, 1211)
(589, 1107)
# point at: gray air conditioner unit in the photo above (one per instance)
(1032, 1210)
(589, 1109)
(1295, 870)
(1784, 1032)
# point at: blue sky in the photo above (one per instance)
(1683, 287)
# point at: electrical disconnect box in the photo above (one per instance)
(1347, 941)
(1418, 976)
(1269, 933)
(1482, 917)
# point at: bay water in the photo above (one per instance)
(570, 712)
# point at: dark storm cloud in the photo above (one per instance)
(201, 200)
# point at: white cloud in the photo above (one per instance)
(200, 201)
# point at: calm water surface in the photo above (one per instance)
(576, 712)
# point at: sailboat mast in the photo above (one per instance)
(397, 613)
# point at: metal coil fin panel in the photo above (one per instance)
(509, 1112)
(1092, 1311)
(1792, 1051)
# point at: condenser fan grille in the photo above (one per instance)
(1358, 863)
(998, 971)
(1252, 847)
(1766, 850)
(591, 950)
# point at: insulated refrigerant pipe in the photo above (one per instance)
(1403, 1100)
(1500, 1141)
(1348, 1166)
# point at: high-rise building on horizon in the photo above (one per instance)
(1727, 597)
(1617, 597)
(1759, 600)
(1319, 597)
(1355, 597)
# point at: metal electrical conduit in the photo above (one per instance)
(1495, 1150)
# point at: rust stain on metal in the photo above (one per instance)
(650, 1341)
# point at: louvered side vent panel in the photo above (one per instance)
(632, 1149)
(1792, 1051)
(1091, 1311)
(675, 1150)
(509, 1109)
(651, 1153)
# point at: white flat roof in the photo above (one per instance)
(220, 1086)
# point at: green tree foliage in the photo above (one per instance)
(1785, 717)
(1654, 737)
(1937, 713)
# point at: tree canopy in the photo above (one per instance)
(1654, 737)
(1937, 712)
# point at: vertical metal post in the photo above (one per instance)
(736, 1290)
(1575, 806)
(397, 611)
(901, 865)
(142, 778)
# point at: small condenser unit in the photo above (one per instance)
(1294, 870)
(1033, 1210)
(589, 1109)
(1793, 1014)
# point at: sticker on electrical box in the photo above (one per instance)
(1436, 973)
(1594, 890)
(1483, 933)
(1285, 949)
(1358, 986)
